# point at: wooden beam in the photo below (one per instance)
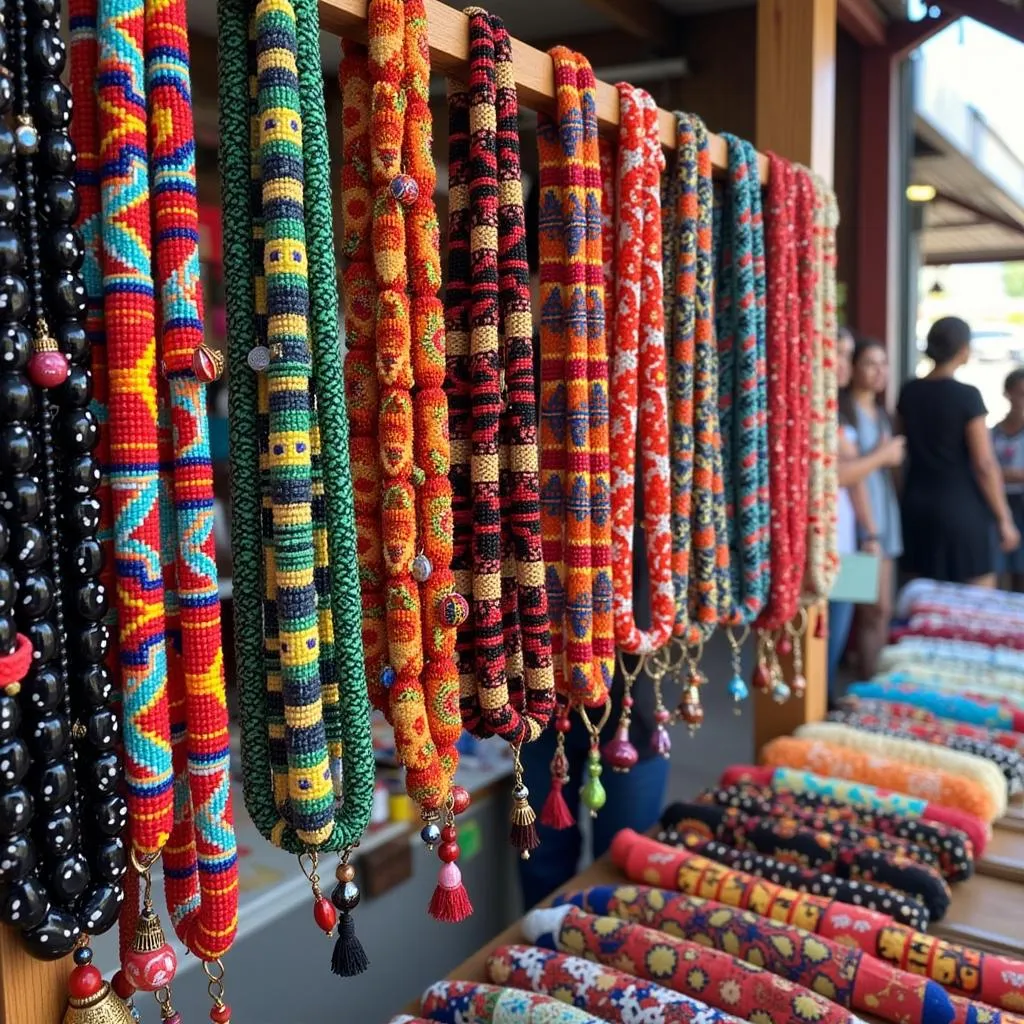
(985, 216)
(904, 37)
(862, 20)
(30, 989)
(645, 19)
(535, 76)
(796, 81)
(994, 13)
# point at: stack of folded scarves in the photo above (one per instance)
(991, 712)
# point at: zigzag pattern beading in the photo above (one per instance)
(636, 337)
(134, 455)
(742, 394)
(488, 305)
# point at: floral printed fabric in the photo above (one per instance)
(609, 994)
(464, 1002)
(984, 711)
(828, 965)
(710, 975)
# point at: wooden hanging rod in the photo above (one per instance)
(535, 77)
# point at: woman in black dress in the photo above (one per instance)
(953, 490)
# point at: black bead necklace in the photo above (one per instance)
(69, 879)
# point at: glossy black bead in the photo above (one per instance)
(73, 341)
(101, 729)
(7, 588)
(63, 248)
(13, 297)
(5, 537)
(53, 104)
(86, 559)
(49, 737)
(11, 250)
(26, 903)
(82, 475)
(30, 546)
(55, 937)
(23, 497)
(76, 391)
(345, 896)
(59, 833)
(48, 52)
(10, 716)
(80, 431)
(42, 10)
(91, 601)
(15, 346)
(55, 788)
(35, 595)
(6, 93)
(100, 906)
(7, 144)
(15, 810)
(17, 400)
(44, 688)
(59, 152)
(60, 201)
(94, 684)
(10, 198)
(110, 860)
(8, 633)
(14, 762)
(111, 815)
(43, 635)
(17, 857)
(91, 643)
(67, 295)
(105, 772)
(83, 956)
(17, 448)
(69, 877)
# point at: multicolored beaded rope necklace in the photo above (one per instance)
(306, 749)
(400, 454)
(505, 644)
(574, 469)
(636, 342)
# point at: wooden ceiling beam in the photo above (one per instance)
(862, 20)
(903, 37)
(645, 19)
(995, 13)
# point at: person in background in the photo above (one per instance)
(855, 516)
(862, 403)
(953, 489)
(634, 798)
(1008, 442)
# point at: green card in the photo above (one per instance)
(857, 581)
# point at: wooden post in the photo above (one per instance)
(796, 93)
(30, 990)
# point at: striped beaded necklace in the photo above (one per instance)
(307, 755)
(394, 375)
(175, 714)
(636, 335)
(504, 645)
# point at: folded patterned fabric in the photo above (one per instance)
(714, 977)
(924, 594)
(855, 766)
(986, 711)
(861, 796)
(958, 682)
(958, 968)
(406, 1019)
(470, 1002)
(949, 673)
(914, 753)
(911, 716)
(1009, 762)
(840, 972)
(949, 848)
(605, 992)
(960, 652)
(784, 838)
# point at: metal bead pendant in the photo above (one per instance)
(26, 138)
(258, 358)
(421, 568)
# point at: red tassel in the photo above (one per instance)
(450, 902)
(555, 813)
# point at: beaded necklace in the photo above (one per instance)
(492, 416)
(742, 383)
(275, 200)
(411, 607)
(636, 333)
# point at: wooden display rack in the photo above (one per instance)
(795, 114)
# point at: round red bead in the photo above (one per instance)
(449, 852)
(122, 987)
(460, 799)
(324, 914)
(48, 369)
(762, 677)
(562, 724)
(449, 834)
(221, 1014)
(207, 364)
(785, 647)
(84, 982)
(151, 970)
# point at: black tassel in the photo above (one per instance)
(349, 957)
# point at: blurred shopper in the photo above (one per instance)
(1008, 441)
